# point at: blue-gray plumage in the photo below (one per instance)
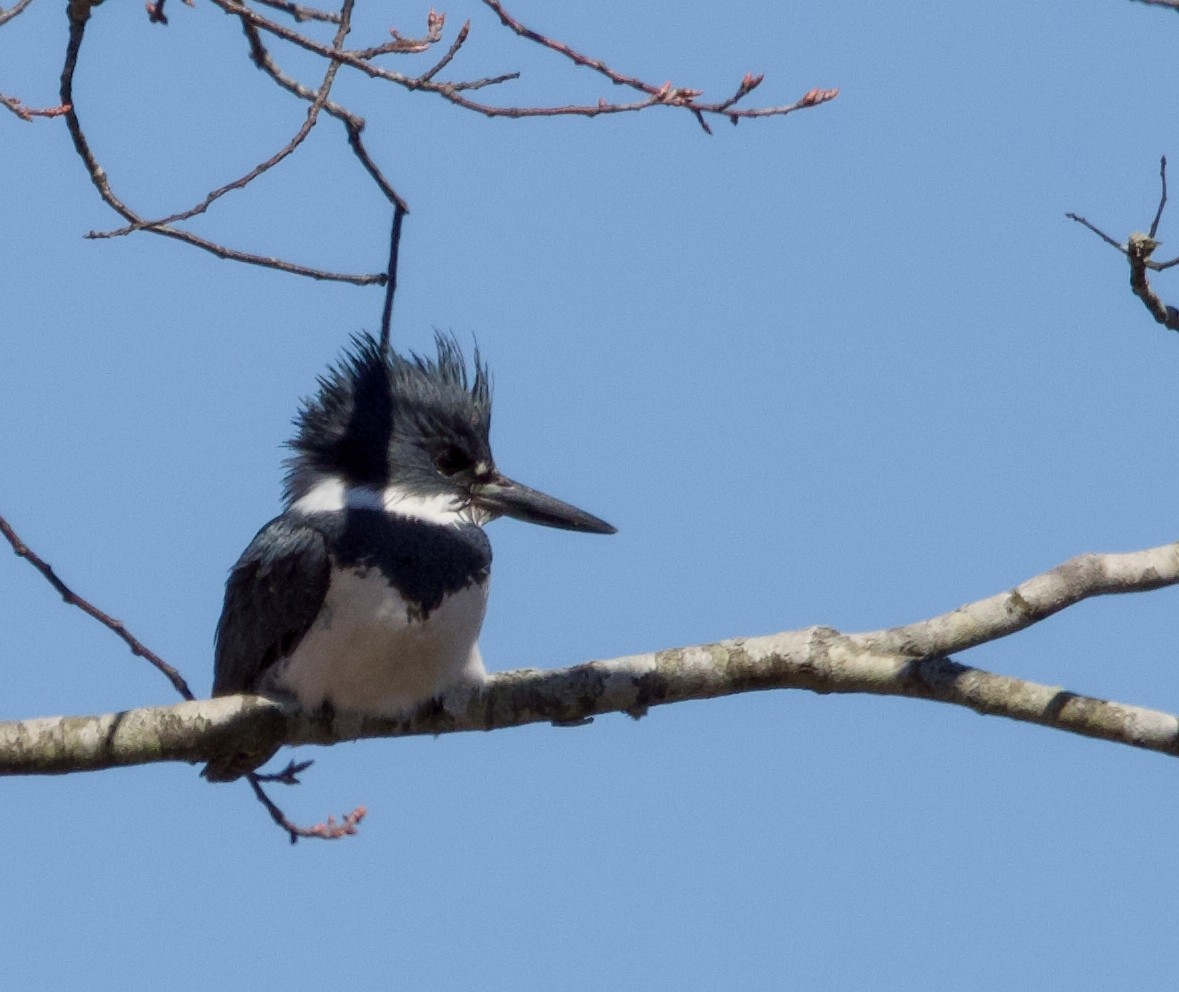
(367, 594)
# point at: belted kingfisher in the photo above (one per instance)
(368, 592)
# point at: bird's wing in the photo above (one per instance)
(272, 597)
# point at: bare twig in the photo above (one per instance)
(451, 52)
(261, 57)
(456, 92)
(331, 830)
(321, 96)
(138, 649)
(356, 142)
(597, 65)
(748, 84)
(400, 209)
(1158, 214)
(1096, 230)
(79, 14)
(665, 95)
(301, 13)
(391, 285)
(672, 98)
(15, 10)
(306, 43)
(28, 113)
(400, 45)
(1139, 249)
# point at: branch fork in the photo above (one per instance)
(1139, 250)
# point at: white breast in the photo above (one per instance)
(368, 652)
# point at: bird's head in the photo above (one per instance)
(410, 435)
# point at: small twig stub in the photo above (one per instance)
(1139, 250)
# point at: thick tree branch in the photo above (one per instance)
(1030, 602)
(903, 661)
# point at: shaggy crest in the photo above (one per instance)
(375, 407)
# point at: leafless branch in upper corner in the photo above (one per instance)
(79, 16)
(1139, 249)
(457, 92)
(654, 95)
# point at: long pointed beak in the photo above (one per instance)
(503, 497)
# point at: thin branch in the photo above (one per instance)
(665, 95)
(301, 13)
(79, 13)
(321, 96)
(475, 84)
(1139, 249)
(400, 209)
(749, 83)
(253, 23)
(1096, 230)
(1158, 214)
(888, 662)
(383, 184)
(15, 10)
(451, 52)
(137, 647)
(669, 98)
(597, 65)
(306, 43)
(28, 113)
(331, 830)
(391, 285)
(261, 57)
(401, 45)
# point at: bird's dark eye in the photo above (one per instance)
(452, 460)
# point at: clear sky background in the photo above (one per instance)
(851, 367)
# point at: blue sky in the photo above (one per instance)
(852, 367)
